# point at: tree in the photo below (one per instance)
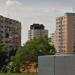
(29, 53)
(3, 57)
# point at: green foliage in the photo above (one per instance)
(3, 48)
(3, 57)
(31, 50)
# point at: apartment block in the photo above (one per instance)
(10, 32)
(65, 33)
(37, 30)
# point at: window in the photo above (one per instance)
(1, 26)
(6, 41)
(61, 46)
(10, 22)
(61, 39)
(2, 37)
(7, 35)
(73, 46)
(59, 25)
(1, 41)
(1, 21)
(73, 50)
(1, 31)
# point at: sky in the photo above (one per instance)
(35, 11)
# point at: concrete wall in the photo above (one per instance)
(56, 65)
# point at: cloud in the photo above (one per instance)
(12, 2)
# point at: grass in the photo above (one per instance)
(16, 74)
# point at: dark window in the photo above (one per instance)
(1, 41)
(1, 21)
(1, 31)
(73, 50)
(1, 36)
(7, 35)
(74, 47)
(6, 41)
(1, 26)
(10, 22)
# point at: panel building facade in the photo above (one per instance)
(65, 33)
(37, 30)
(10, 32)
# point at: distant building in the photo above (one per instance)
(65, 33)
(52, 37)
(10, 32)
(37, 30)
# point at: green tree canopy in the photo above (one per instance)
(32, 49)
(3, 57)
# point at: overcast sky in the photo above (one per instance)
(35, 11)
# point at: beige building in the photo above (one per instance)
(37, 30)
(10, 32)
(65, 33)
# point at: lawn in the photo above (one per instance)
(16, 74)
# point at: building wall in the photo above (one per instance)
(56, 64)
(65, 28)
(10, 32)
(37, 30)
(37, 33)
(59, 34)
